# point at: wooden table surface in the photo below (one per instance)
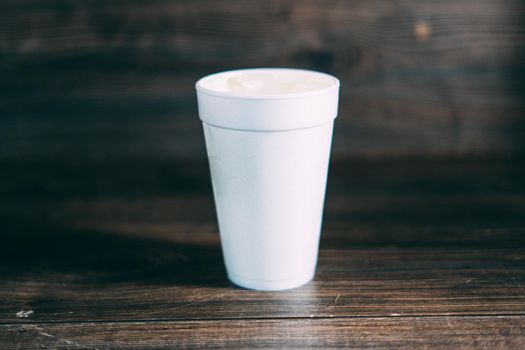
(415, 254)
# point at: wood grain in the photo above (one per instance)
(420, 241)
(112, 279)
(505, 332)
(106, 80)
(415, 252)
(450, 202)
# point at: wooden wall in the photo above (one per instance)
(106, 79)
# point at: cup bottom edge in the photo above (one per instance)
(270, 285)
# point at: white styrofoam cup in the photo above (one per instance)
(269, 159)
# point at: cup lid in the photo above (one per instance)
(267, 111)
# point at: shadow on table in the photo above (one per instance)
(99, 258)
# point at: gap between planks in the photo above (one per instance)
(223, 319)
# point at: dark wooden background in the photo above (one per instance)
(108, 234)
(96, 79)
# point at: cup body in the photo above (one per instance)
(269, 180)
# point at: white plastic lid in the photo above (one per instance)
(314, 104)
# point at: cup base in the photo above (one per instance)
(270, 285)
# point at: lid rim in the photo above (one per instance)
(240, 96)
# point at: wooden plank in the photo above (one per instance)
(135, 241)
(36, 178)
(349, 221)
(112, 278)
(96, 79)
(370, 203)
(194, 29)
(504, 332)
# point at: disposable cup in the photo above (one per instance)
(268, 156)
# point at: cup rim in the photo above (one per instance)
(199, 85)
